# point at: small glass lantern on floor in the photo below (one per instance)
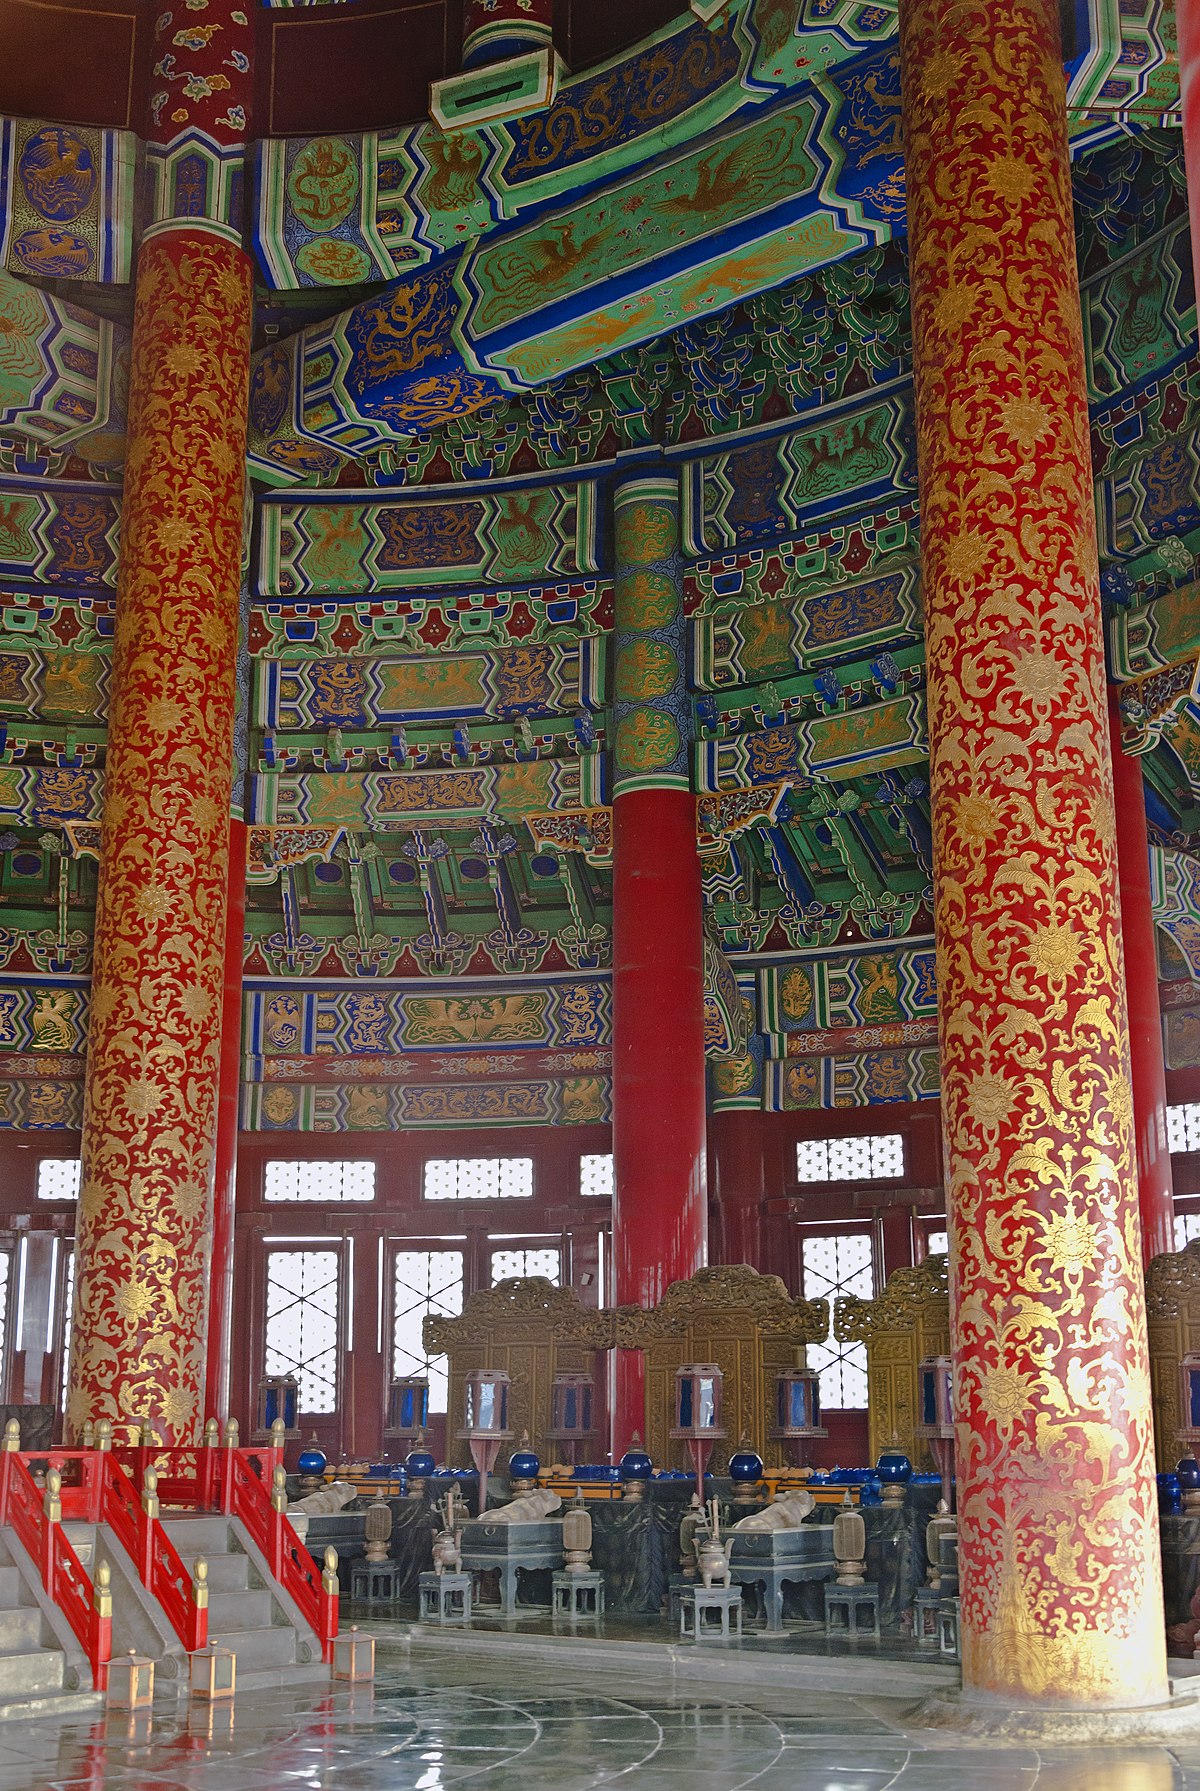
(408, 1407)
(485, 1413)
(698, 1413)
(571, 1397)
(354, 1656)
(130, 1681)
(211, 1672)
(278, 1398)
(935, 1425)
(797, 1411)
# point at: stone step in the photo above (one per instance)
(239, 1610)
(24, 1670)
(198, 1533)
(21, 1629)
(258, 1648)
(49, 1705)
(10, 1587)
(226, 1573)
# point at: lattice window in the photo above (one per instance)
(833, 1266)
(937, 1243)
(424, 1281)
(5, 1279)
(1183, 1127)
(286, 1180)
(596, 1176)
(303, 1329)
(479, 1178)
(58, 1178)
(858, 1159)
(1187, 1227)
(514, 1265)
(68, 1308)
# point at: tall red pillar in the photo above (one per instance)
(1156, 1194)
(140, 1322)
(220, 1295)
(737, 1146)
(660, 1216)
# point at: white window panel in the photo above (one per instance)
(58, 1178)
(303, 1330)
(515, 1265)
(68, 1306)
(878, 1157)
(1187, 1227)
(938, 1243)
(424, 1281)
(596, 1176)
(832, 1266)
(479, 1178)
(286, 1180)
(1183, 1127)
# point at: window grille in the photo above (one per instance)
(859, 1159)
(479, 1178)
(424, 1281)
(303, 1312)
(68, 1309)
(1183, 1127)
(833, 1266)
(596, 1176)
(58, 1178)
(287, 1180)
(514, 1265)
(1187, 1227)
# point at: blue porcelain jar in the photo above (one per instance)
(523, 1465)
(311, 1463)
(745, 1467)
(1170, 1494)
(419, 1464)
(893, 1468)
(1187, 1472)
(635, 1464)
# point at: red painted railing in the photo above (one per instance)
(241, 1483)
(37, 1520)
(137, 1528)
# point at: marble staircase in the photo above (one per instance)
(43, 1672)
(247, 1611)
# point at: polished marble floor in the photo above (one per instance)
(434, 1720)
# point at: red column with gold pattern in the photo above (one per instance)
(1061, 1592)
(141, 1291)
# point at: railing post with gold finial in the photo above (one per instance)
(208, 1463)
(198, 1616)
(231, 1443)
(329, 1603)
(52, 1509)
(10, 1445)
(102, 1606)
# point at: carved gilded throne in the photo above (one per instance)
(1173, 1322)
(531, 1329)
(907, 1322)
(745, 1322)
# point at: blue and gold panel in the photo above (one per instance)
(872, 1078)
(68, 198)
(876, 986)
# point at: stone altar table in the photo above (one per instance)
(773, 1558)
(511, 1548)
